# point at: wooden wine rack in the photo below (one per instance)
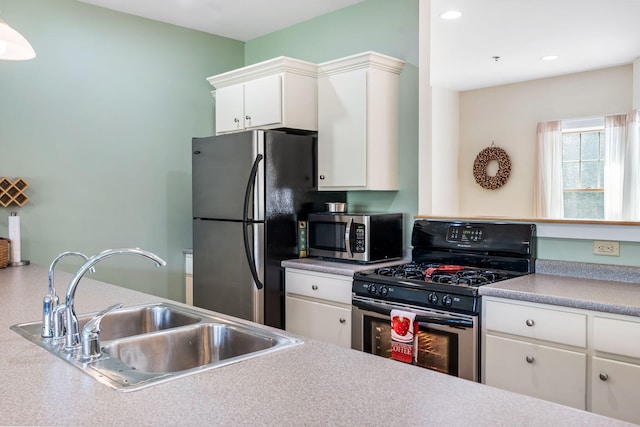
(13, 192)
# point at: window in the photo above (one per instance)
(589, 168)
(583, 159)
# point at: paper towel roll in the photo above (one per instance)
(14, 236)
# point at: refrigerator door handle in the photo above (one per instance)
(247, 251)
(247, 223)
(250, 184)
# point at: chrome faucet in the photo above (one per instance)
(72, 335)
(50, 301)
(91, 334)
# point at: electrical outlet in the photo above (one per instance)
(606, 247)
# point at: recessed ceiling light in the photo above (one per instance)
(550, 57)
(452, 14)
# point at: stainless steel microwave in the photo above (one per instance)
(356, 237)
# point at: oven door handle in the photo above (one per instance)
(384, 310)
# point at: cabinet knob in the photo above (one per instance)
(343, 321)
(247, 117)
(236, 120)
(530, 359)
(529, 322)
(314, 287)
(321, 176)
(603, 376)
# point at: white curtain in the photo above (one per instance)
(615, 133)
(548, 195)
(630, 196)
(622, 164)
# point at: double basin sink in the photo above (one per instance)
(153, 343)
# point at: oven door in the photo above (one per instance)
(447, 342)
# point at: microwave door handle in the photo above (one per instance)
(435, 320)
(347, 237)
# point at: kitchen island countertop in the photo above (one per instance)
(310, 384)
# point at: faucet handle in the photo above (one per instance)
(48, 304)
(58, 320)
(91, 334)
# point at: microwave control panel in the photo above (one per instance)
(359, 239)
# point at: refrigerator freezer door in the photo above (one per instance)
(222, 280)
(221, 170)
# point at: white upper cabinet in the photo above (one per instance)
(358, 122)
(280, 92)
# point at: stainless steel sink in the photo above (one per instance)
(127, 321)
(154, 343)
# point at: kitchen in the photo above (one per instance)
(103, 117)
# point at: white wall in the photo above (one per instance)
(445, 150)
(509, 114)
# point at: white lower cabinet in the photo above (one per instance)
(318, 305)
(580, 358)
(536, 370)
(615, 368)
(614, 389)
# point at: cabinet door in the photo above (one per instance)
(614, 389)
(324, 322)
(331, 287)
(535, 370)
(531, 321)
(229, 108)
(342, 130)
(263, 102)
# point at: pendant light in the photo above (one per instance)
(12, 45)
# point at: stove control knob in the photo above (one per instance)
(433, 298)
(383, 291)
(372, 289)
(447, 301)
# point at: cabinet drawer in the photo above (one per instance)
(616, 336)
(614, 388)
(319, 285)
(537, 322)
(536, 370)
(320, 321)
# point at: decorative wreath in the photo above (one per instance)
(481, 163)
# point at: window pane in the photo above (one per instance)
(590, 147)
(601, 136)
(570, 146)
(589, 175)
(584, 204)
(601, 174)
(570, 175)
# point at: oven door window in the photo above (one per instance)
(437, 348)
(327, 235)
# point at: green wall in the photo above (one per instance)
(385, 26)
(391, 27)
(100, 125)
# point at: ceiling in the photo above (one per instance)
(585, 34)
(236, 19)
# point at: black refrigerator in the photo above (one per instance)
(249, 191)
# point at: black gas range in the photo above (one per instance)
(439, 288)
(450, 261)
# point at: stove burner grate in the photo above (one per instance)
(462, 276)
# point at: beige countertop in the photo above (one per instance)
(310, 384)
(335, 267)
(588, 294)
